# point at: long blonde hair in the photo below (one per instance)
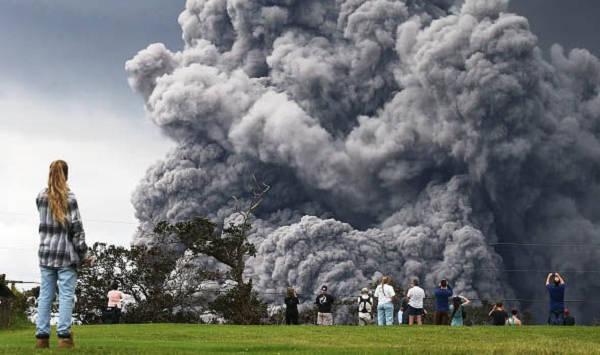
(290, 292)
(58, 191)
(385, 280)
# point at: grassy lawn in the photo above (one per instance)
(220, 339)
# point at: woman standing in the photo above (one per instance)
(114, 302)
(291, 307)
(457, 307)
(62, 249)
(385, 307)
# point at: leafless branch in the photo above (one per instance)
(258, 191)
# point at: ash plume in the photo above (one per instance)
(401, 138)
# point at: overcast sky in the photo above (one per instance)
(64, 94)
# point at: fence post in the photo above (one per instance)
(6, 298)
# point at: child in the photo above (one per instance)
(513, 320)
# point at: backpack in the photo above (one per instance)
(363, 302)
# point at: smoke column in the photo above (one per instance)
(401, 138)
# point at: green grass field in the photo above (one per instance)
(220, 339)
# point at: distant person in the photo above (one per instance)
(385, 295)
(442, 294)
(556, 290)
(569, 319)
(397, 312)
(365, 306)
(513, 320)
(62, 249)
(324, 303)
(498, 314)
(114, 303)
(457, 309)
(114, 296)
(415, 297)
(291, 307)
(403, 318)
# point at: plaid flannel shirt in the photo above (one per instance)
(60, 246)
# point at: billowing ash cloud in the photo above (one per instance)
(399, 137)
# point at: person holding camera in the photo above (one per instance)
(556, 291)
(442, 293)
(498, 314)
(324, 303)
(291, 307)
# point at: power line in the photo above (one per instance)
(532, 271)
(545, 245)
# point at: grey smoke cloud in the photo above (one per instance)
(400, 138)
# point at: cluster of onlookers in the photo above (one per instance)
(450, 309)
(324, 303)
(499, 315)
(63, 250)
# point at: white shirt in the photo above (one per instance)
(384, 295)
(416, 295)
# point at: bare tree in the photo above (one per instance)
(231, 247)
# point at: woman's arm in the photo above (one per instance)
(466, 301)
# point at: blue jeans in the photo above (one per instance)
(385, 314)
(557, 317)
(67, 278)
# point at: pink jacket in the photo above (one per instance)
(114, 298)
